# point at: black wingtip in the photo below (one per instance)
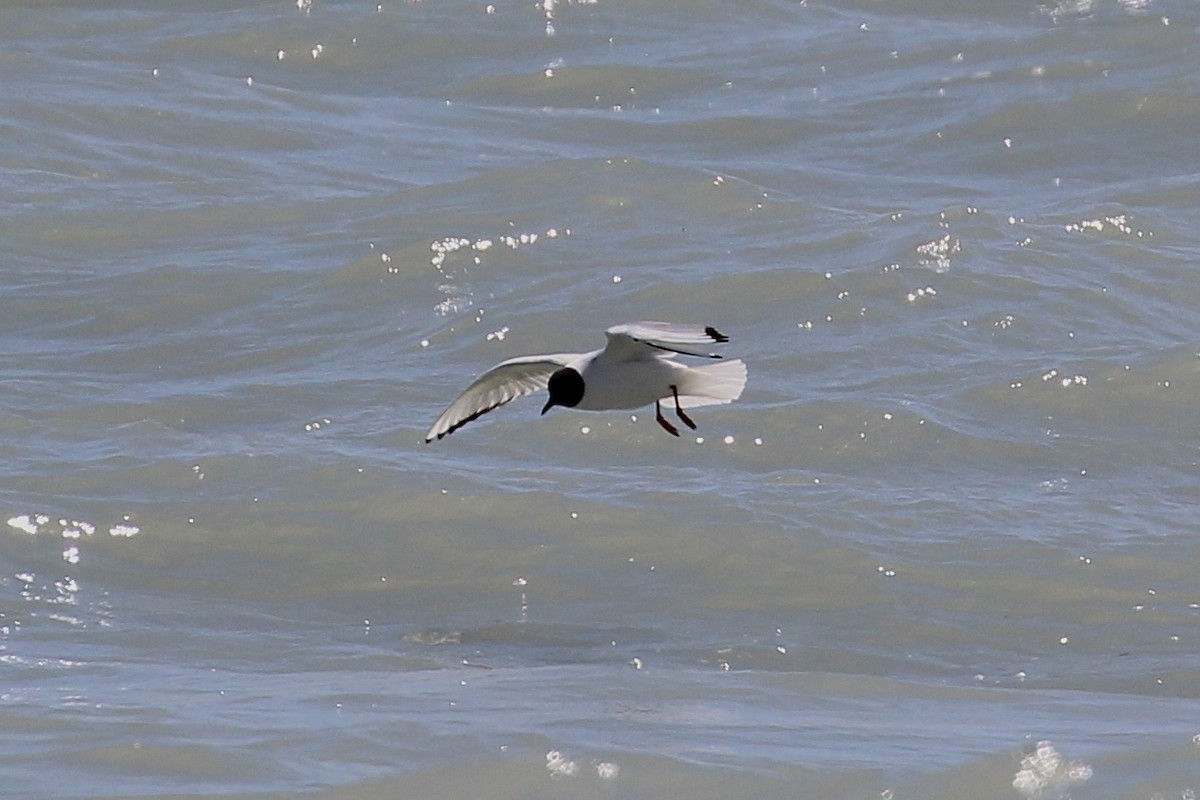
(716, 335)
(438, 437)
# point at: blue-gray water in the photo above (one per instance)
(250, 250)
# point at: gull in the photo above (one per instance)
(636, 367)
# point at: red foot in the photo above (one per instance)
(668, 427)
(679, 411)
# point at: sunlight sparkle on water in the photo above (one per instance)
(457, 296)
(936, 254)
(560, 766)
(1045, 773)
(23, 523)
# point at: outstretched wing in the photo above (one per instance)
(639, 339)
(501, 384)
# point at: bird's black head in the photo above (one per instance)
(566, 389)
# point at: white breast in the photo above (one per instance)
(628, 384)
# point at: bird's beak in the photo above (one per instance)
(549, 404)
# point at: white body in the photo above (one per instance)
(632, 383)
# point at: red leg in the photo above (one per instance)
(679, 411)
(668, 427)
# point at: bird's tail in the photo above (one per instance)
(712, 384)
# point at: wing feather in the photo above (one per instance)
(501, 384)
(633, 339)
